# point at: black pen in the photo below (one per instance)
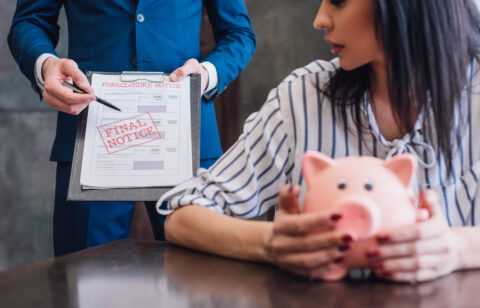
(98, 99)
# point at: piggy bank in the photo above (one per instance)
(371, 194)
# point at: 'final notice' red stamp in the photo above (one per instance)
(127, 133)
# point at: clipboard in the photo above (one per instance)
(75, 190)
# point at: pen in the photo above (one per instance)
(98, 99)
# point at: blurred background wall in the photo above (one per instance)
(285, 40)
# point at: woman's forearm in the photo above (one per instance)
(199, 228)
(469, 241)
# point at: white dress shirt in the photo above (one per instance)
(212, 73)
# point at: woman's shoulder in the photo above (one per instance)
(300, 88)
(304, 80)
(316, 68)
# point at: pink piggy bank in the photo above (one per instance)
(371, 194)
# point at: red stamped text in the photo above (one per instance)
(127, 133)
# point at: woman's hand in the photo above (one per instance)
(306, 244)
(427, 250)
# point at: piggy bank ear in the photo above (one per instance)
(403, 166)
(314, 162)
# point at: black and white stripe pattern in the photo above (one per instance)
(296, 118)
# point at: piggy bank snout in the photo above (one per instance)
(359, 215)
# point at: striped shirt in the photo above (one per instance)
(297, 118)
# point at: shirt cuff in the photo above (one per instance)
(212, 76)
(38, 69)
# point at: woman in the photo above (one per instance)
(405, 81)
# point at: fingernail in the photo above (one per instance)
(290, 188)
(173, 76)
(347, 238)
(377, 265)
(335, 217)
(373, 254)
(344, 247)
(383, 238)
(339, 260)
(386, 274)
(421, 194)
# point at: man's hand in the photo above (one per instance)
(59, 97)
(192, 66)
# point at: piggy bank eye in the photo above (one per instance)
(342, 183)
(368, 185)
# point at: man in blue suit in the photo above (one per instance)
(113, 36)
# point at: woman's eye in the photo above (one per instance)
(337, 2)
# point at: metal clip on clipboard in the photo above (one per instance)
(132, 76)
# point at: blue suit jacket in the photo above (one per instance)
(106, 35)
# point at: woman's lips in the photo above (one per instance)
(336, 49)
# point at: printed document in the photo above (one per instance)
(148, 144)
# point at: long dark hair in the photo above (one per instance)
(428, 45)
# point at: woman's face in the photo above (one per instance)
(349, 28)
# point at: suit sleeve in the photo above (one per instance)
(234, 37)
(34, 31)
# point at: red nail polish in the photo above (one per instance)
(373, 254)
(347, 238)
(290, 188)
(383, 238)
(377, 265)
(421, 194)
(386, 274)
(344, 247)
(335, 217)
(339, 260)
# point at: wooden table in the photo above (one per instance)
(131, 273)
